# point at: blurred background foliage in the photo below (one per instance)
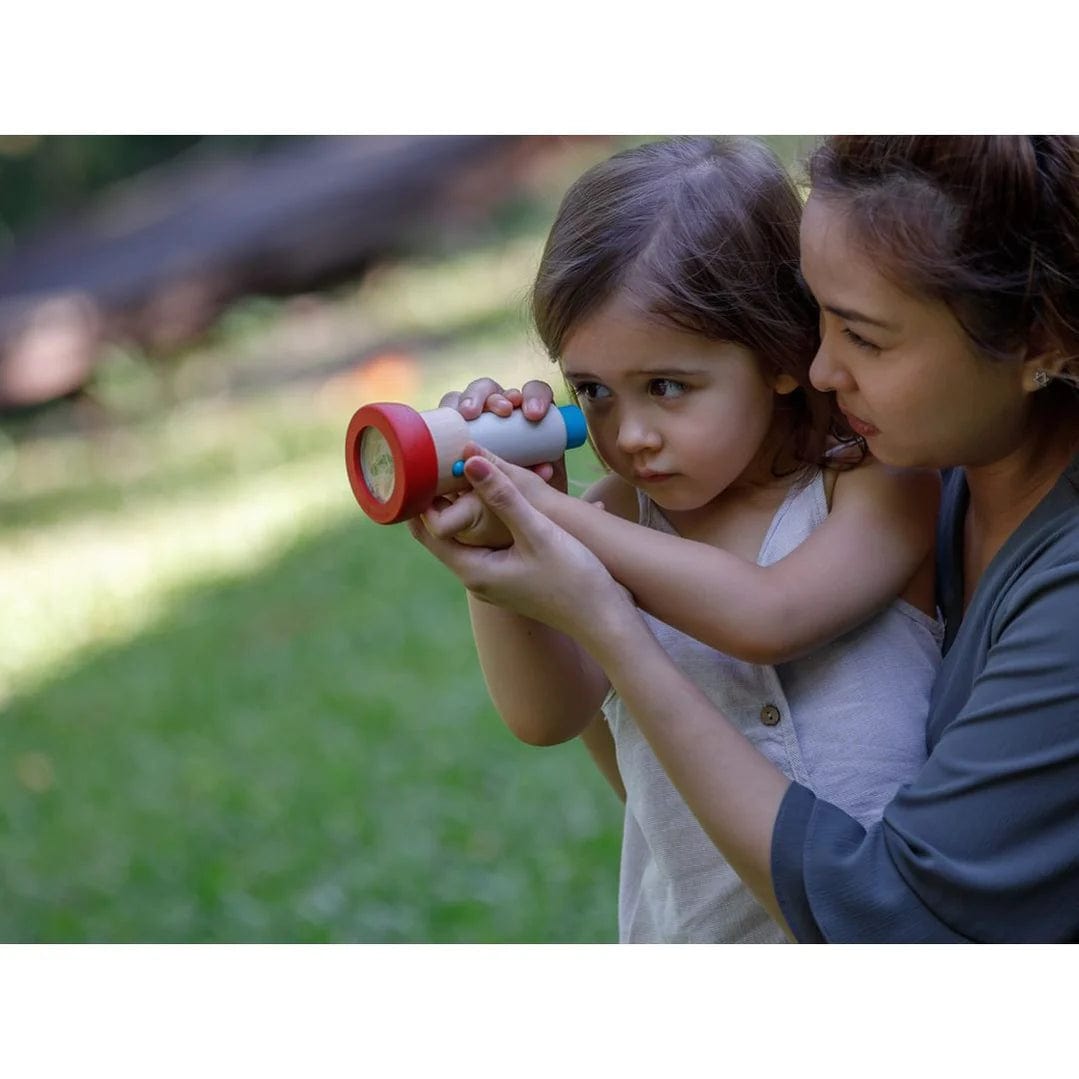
(43, 177)
(231, 707)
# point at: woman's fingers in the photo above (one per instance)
(516, 473)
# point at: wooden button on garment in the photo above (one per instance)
(770, 715)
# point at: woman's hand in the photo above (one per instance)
(546, 574)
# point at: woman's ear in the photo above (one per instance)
(1044, 361)
(784, 384)
(1039, 371)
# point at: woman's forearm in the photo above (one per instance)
(733, 790)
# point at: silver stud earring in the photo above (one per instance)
(1041, 378)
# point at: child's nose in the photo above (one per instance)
(635, 435)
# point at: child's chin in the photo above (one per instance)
(672, 503)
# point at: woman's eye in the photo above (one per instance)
(666, 387)
(858, 341)
(591, 391)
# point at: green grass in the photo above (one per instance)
(234, 709)
(305, 753)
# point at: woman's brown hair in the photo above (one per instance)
(988, 224)
(703, 233)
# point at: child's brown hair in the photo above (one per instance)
(703, 232)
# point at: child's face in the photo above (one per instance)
(677, 415)
(901, 366)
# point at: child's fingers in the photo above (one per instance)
(503, 402)
(472, 400)
(536, 398)
(447, 519)
(463, 562)
(497, 492)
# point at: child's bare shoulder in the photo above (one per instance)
(912, 494)
(617, 496)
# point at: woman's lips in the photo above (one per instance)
(859, 426)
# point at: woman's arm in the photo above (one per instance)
(732, 789)
(871, 546)
(983, 845)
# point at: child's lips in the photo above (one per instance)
(648, 476)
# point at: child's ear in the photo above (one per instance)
(784, 384)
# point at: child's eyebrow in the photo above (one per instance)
(667, 371)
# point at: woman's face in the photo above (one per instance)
(902, 369)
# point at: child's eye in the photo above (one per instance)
(666, 387)
(858, 341)
(591, 391)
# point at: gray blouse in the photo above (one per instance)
(983, 845)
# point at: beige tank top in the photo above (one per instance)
(847, 721)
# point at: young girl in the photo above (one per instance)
(787, 576)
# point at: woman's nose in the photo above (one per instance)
(826, 374)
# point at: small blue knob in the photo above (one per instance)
(576, 428)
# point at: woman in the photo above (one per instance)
(947, 272)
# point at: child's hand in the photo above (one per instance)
(467, 520)
(544, 574)
(486, 395)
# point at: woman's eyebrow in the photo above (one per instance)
(857, 316)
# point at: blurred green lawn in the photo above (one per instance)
(234, 709)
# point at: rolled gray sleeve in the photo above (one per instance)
(984, 844)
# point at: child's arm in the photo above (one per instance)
(544, 685)
(546, 574)
(876, 542)
(546, 688)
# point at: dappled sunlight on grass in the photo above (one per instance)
(304, 752)
(231, 707)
